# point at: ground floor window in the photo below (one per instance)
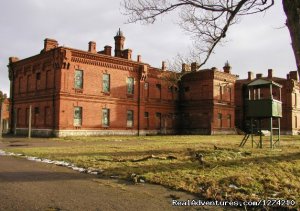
(105, 117)
(129, 118)
(229, 120)
(77, 116)
(146, 116)
(220, 120)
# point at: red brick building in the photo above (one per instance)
(207, 101)
(5, 107)
(77, 92)
(290, 96)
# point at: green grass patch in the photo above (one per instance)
(229, 173)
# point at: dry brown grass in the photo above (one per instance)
(230, 172)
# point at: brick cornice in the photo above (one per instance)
(99, 60)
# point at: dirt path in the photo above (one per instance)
(28, 185)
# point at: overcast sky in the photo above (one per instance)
(256, 44)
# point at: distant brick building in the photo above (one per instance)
(76, 92)
(6, 115)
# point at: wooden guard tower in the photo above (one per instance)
(263, 103)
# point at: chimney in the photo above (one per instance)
(127, 54)
(227, 68)
(194, 66)
(185, 68)
(163, 66)
(258, 75)
(119, 43)
(270, 73)
(250, 75)
(107, 50)
(92, 47)
(294, 75)
(139, 58)
(13, 59)
(50, 44)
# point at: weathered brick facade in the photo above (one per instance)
(76, 92)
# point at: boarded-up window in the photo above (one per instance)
(106, 83)
(158, 120)
(220, 119)
(146, 116)
(158, 90)
(78, 79)
(105, 117)
(77, 116)
(129, 118)
(47, 116)
(229, 120)
(130, 85)
(38, 80)
(49, 79)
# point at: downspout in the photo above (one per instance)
(139, 102)
(12, 93)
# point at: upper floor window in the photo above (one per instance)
(130, 85)
(105, 117)
(78, 79)
(129, 118)
(106, 82)
(77, 116)
(38, 76)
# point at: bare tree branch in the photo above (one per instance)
(207, 21)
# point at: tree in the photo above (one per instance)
(208, 21)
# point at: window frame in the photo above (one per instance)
(79, 123)
(130, 119)
(130, 85)
(106, 83)
(105, 114)
(76, 86)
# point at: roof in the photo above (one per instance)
(262, 82)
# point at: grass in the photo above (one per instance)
(229, 173)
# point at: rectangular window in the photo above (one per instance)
(20, 84)
(38, 76)
(19, 116)
(129, 118)
(105, 117)
(229, 120)
(78, 79)
(221, 92)
(106, 83)
(36, 110)
(47, 116)
(220, 119)
(158, 120)
(77, 116)
(146, 116)
(146, 89)
(158, 87)
(130, 85)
